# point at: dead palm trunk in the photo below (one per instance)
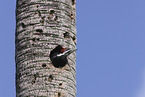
(41, 25)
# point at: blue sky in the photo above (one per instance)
(111, 48)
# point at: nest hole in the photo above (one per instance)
(51, 11)
(73, 2)
(43, 65)
(74, 38)
(50, 78)
(59, 94)
(60, 84)
(39, 30)
(71, 15)
(45, 79)
(66, 35)
(23, 25)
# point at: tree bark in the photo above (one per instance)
(41, 25)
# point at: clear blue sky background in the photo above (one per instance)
(111, 48)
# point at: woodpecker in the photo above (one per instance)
(58, 56)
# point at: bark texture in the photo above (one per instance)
(41, 25)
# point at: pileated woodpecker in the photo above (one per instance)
(58, 56)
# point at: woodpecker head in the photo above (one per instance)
(58, 56)
(66, 51)
(60, 51)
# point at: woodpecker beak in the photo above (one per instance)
(68, 51)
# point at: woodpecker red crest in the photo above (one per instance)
(62, 50)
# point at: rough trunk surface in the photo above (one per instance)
(41, 25)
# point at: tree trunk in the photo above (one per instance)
(41, 25)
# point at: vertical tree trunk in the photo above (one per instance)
(41, 25)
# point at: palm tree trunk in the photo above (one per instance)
(41, 25)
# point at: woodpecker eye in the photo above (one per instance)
(62, 50)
